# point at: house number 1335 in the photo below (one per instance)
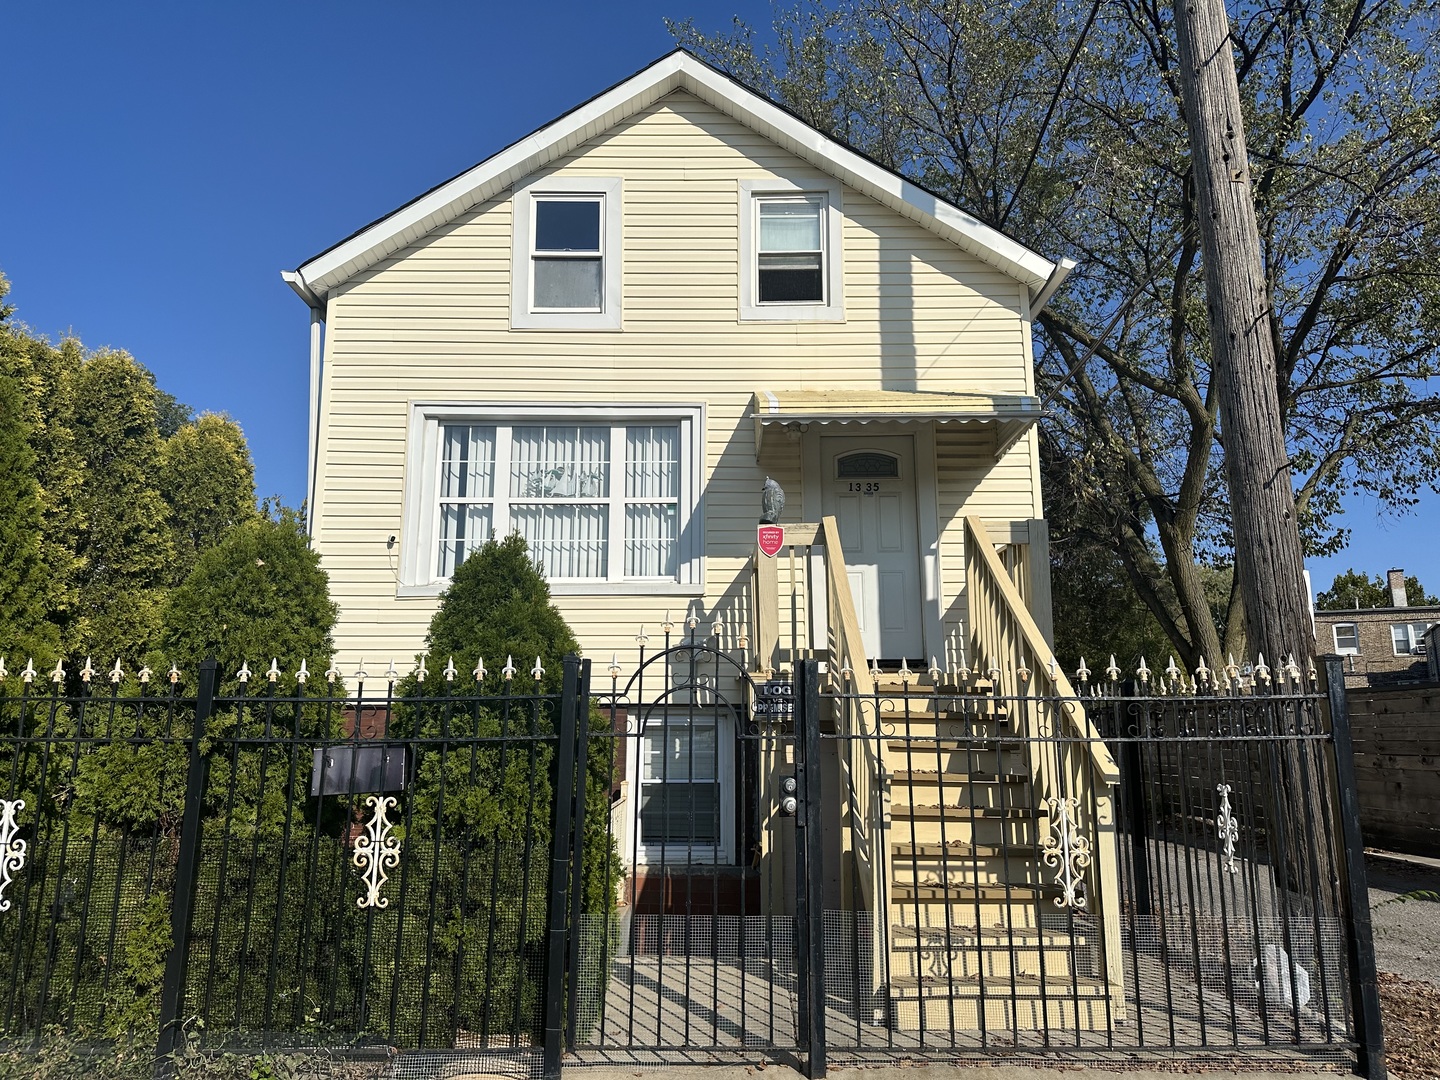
(869, 487)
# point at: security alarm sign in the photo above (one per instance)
(771, 539)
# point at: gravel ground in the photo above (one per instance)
(1407, 934)
(1407, 952)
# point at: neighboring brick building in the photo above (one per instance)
(1383, 646)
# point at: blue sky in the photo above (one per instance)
(163, 162)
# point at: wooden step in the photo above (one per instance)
(957, 779)
(953, 812)
(989, 937)
(964, 893)
(913, 987)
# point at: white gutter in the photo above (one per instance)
(1052, 285)
(317, 317)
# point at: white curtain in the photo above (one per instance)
(790, 225)
(652, 493)
(467, 492)
(563, 464)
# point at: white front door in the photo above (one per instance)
(869, 486)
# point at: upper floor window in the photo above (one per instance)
(790, 251)
(1347, 638)
(565, 263)
(1408, 637)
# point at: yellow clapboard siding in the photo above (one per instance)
(432, 323)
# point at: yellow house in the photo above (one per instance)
(608, 336)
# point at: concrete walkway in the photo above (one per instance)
(930, 1072)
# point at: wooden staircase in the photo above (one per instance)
(975, 939)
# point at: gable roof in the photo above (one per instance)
(679, 70)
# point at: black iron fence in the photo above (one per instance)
(686, 862)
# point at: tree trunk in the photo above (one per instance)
(1269, 562)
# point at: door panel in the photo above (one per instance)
(869, 486)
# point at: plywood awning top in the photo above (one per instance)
(1010, 415)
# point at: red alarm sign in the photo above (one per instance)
(771, 539)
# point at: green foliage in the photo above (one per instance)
(130, 489)
(208, 482)
(125, 547)
(25, 627)
(1354, 589)
(498, 605)
(258, 594)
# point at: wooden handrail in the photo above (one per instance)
(1035, 648)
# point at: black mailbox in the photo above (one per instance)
(353, 770)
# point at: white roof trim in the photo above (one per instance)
(678, 71)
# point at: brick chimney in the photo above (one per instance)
(1397, 588)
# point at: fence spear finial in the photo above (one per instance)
(1262, 670)
(58, 675)
(390, 673)
(332, 672)
(274, 673)
(1142, 672)
(1022, 672)
(1113, 671)
(420, 670)
(29, 674)
(174, 674)
(303, 675)
(116, 673)
(508, 671)
(3, 672)
(360, 673)
(641, 638)
(934, 672)
(479, 671)
(1292, 670)
(144, 675)
(1082, 672)
(1172, 671)
(450, 671)
(614, 665)
(244, 673)
(537, 670)
(87, 672)
(1202, 673)
(1232, 671)
(666, 627)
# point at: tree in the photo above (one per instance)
(208, 482)
(125, 545)
(1354, 589)
(258, 594)
(25, 627)
(1064, 126)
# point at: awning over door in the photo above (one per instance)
(1009, 414)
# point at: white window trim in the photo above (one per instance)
(1335, 639)
(722, 854)
(832, 222)
(522, 315)
(419, 542)
(1416, 640)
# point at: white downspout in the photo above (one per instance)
(316, 319)
(297, 281)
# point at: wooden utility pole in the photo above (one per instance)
(1269, 563)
